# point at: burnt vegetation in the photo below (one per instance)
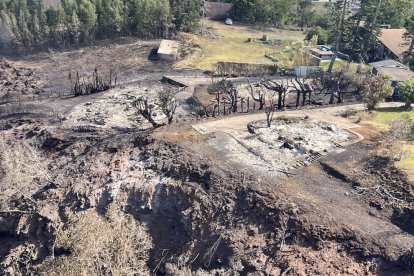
(140, 180)
(84, 85)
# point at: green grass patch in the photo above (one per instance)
(232, 45)
(384, 116)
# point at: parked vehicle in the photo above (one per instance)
(229, 21)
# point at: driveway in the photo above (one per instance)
(328, 114)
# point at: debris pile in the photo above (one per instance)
(208, 32)
(288, 144)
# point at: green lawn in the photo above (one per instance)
(232, 45)
(384, 116)
(408, 164)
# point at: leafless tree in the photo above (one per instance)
(146, 110)
(270, 109)
(230, 92)
(257, 94)
(281, 88)
(329, 84)
(226, 92)
(303, 88)
(89, 84)
(335, 85)
(168, 104)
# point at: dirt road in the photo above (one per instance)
(328, 114)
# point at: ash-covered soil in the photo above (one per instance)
(206, 214)
(116, 109)
(292, 199)
(290, 143)
(17, 83)
(127, 59)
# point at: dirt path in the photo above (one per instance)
(239, 123)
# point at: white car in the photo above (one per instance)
(229, 21)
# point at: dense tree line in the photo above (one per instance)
(304, 13)
(28, 25)
(275, 12)
(395, 13)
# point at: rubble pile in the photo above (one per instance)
(288, 144)
(208, 32)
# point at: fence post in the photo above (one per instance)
(248, 104)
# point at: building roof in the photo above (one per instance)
(218, 10)
(168, 47)
(321, 52)
(397, 71)
(394, 40)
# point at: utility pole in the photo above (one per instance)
(338, 37)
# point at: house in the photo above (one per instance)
(217, 10)
(397, 71)
(168, 50)
(392, 43)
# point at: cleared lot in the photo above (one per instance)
(229, 43)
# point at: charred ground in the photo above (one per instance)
(347, 212)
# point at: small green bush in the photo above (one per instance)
(319, 33)
(407, 92)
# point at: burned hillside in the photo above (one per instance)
(232, 156)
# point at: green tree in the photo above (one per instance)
(28, 25)
(407, 92)
(74, 28)
(69, 6)
(110, 17)
(6, 32)
(56, 22)
(306, 13)
(26, 36)
(322, 36)
(410, 33)
(375, 90)
(165, 20)
(88, 19)
(275, 12)
(35, 30)
(395, 12)
(186, 14)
